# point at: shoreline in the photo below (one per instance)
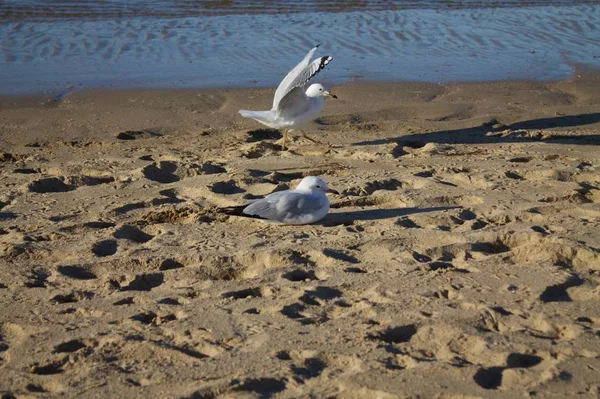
(578, 72)
(52, 95)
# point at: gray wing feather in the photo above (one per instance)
(265, 207)
(284, 86)
(283, 205)
(300, 75)
(293, 104)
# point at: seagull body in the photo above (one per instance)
(294, 104)
(305, 204)
(290, 118)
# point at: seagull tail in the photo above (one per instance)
(264, 117)
(233, 210)
(237, 211)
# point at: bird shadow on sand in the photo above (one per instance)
(347, 218)
(489, 132)
(263, 134)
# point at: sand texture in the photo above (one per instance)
(461, 258)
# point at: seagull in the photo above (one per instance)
(305, 204)
(294, 104)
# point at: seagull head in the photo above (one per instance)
(318, 90)
(312, 183)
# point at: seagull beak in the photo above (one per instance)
(331, 95)
(332, 191)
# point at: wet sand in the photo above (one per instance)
(461, 258)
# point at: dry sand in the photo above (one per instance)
(461, 258)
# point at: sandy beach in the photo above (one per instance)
(460, 260)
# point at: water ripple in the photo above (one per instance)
(236, 48)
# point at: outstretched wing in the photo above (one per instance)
(300, 75)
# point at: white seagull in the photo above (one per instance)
(305, 204)
(294, 105)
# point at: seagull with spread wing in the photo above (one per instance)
(294, 104)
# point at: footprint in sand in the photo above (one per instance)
(300, 275)
(395, 334)
(137, 134)
(76, 272)
(70, 346)
(105, 248)
(311, 306)
(73, 297)
(491, 377)
(143, 282)
(64, 184)
(226, 187)
(170, 264)
(257, 292)
(132, 233)
(50, 185)
(169, 171)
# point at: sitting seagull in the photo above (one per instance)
(305, 204)
(294, 105)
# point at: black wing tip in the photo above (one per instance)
(238, 211)
(318, 45)
(232, 210)
(325, 61)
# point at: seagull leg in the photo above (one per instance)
(311, 139)
(285, 131)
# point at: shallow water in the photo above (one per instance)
(66, 45)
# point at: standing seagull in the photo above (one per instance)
(305, 204)
(294, 105)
